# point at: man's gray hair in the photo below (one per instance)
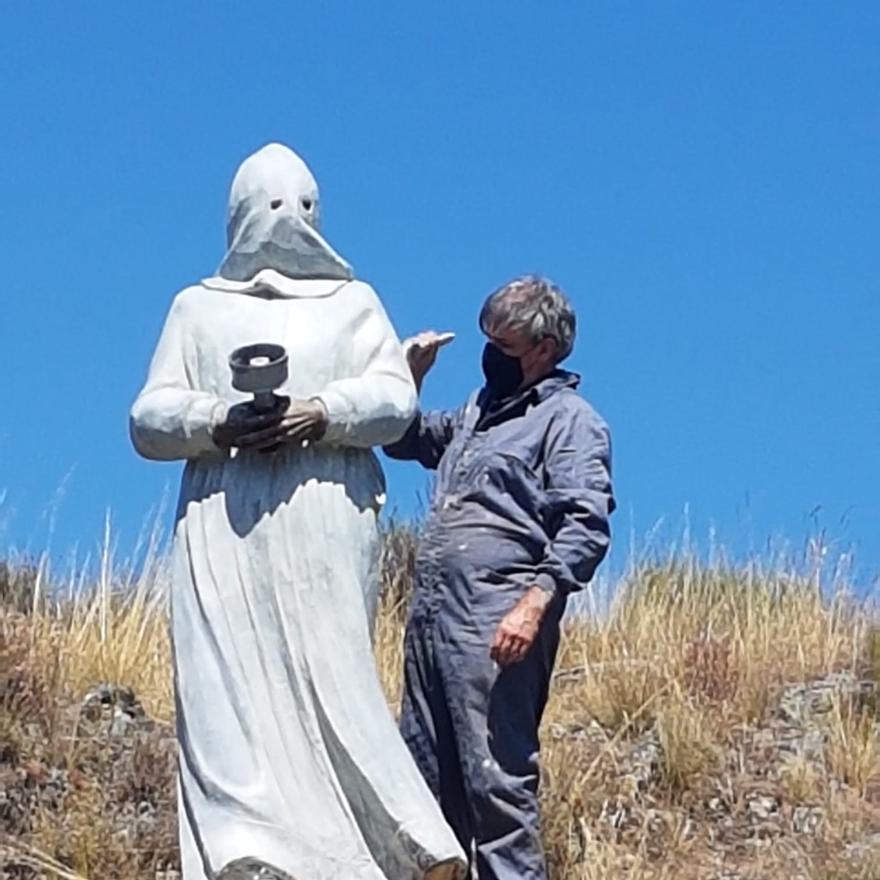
(534, 305)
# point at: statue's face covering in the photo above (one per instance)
(273, 184)
(272, 222)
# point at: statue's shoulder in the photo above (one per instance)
(359, 291)
(191, 299)
(361, 296)
(195, 293)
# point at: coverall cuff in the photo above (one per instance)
(546, 582)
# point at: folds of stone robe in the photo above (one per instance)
(288, 753)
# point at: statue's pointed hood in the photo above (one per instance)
(272, 230)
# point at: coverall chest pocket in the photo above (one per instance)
(505, 479)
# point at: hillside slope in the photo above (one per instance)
(719, 723)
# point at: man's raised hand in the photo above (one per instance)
(421, 352)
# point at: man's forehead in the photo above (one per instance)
(506, 333)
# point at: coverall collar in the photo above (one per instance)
(493, 411)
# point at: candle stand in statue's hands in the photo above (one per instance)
(258, 369)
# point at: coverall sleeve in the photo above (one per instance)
(425, 439)
(376, 405)
(581, 500)
(170, 419)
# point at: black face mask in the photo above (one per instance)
(503, 372)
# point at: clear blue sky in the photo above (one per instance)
(702, 179)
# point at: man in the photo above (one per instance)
(518, 521)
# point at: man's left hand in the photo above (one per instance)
(518, 630)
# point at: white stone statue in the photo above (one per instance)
(291, 765)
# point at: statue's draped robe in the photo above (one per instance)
(289, 755)
(288, 752)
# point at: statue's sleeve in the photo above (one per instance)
(377, 405)
(170, 418)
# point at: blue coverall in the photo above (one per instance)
(523, 496)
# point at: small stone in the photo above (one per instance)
(803, 703)
(863, 848)
(644, 759)
(807, 820)
(114, 706)
(120, 724)
(762, 808)
(716, 807)
(35, 771)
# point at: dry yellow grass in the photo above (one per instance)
(854, 750)
(661, 739)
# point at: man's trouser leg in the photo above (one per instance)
(427, 730)
(495, 716)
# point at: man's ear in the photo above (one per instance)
(548, 350)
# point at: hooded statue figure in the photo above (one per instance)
(291, 765)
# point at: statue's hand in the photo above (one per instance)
(304, 422)
(243, 420)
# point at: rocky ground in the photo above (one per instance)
(768, 802)
(700, 732)
(101, 793)
(106, 796)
